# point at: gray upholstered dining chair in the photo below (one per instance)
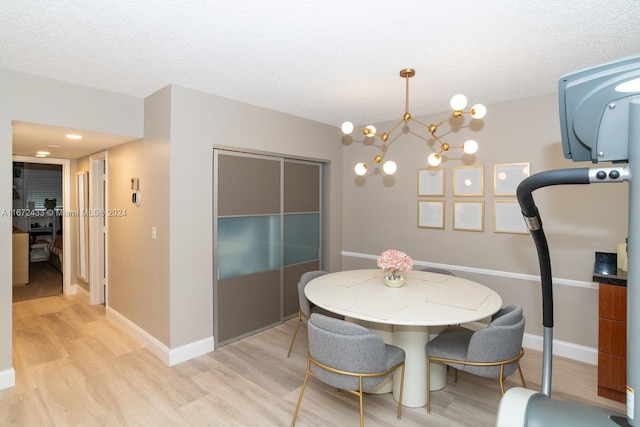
(349, 357)
(491, 352)
(306, 307)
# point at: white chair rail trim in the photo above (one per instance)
(487, 272)
(560, 348)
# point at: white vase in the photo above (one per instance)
(394, 280)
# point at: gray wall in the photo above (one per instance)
(381, 213)
(138, 266)
(198, 122)
(163, 286)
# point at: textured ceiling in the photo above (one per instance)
(328, 61)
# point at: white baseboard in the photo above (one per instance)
(7, 378)
(564, 349)
(190, 351)
(168, 356)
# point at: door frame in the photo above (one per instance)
(66, 220)
(98, 227)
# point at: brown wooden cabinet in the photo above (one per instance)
(612, 342)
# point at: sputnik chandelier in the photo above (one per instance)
(458, 103)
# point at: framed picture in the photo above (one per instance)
(507, 218)
(431, 214)
(468, 180)
(468, 216)
(506, 178)
(430, 182)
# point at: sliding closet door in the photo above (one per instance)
(266, 235)
(301, 227)
(248, 245)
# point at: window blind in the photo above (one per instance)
(41, 184)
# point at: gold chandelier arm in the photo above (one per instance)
(394, 127)
(443, 145)
(437, 125)
(378, 157)
(413, 119)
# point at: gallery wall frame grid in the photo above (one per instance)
(507, 177)
(431, 182)
(468, 181)
(507, 217)
(431, 214)
(468, 215)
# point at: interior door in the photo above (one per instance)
(98, 228)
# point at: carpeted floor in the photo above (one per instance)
(44, 281)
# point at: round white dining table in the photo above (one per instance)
(407, 317)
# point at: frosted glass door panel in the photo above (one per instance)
(248, 245)
(301, 237)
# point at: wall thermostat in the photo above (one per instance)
(135, 198)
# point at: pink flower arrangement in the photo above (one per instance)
(395, 261)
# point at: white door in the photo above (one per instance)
(98, 228)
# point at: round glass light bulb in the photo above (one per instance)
(479, 111)
(347, 128)
(470, 146)
(390, 167)
(458, 102)
(372, 131)
(434, 159)
(360, 169)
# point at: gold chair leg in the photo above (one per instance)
(304, 384)
(428, 385)
(360, 395)
(521, 376)
(401, 389)
(293, 338)
(502, 379)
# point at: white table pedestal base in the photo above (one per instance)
(412, 339)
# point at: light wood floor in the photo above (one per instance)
(74, 368)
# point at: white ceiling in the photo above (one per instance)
(328, 61)
(29, 138)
